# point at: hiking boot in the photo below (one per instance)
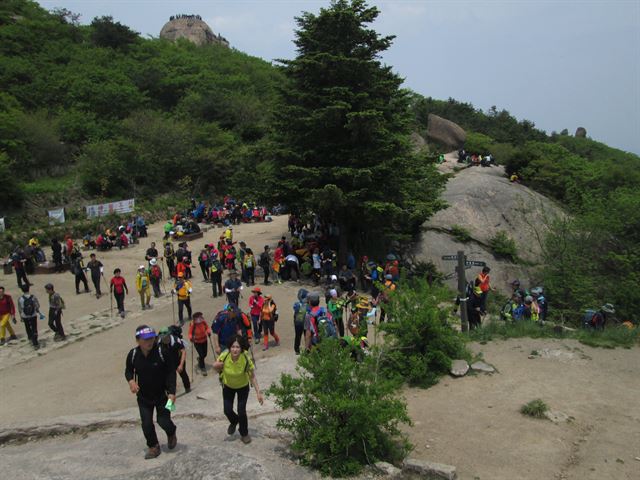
(257, 341)
(172, 441)
(204, 372)
(2, 342)
(36, 346)
(152, 452)
(13, 337)
(232, 428)
(121, 314)
(246, 439)
(266, 347)
(187, 390)
(98, 295)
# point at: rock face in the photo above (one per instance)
(581, 132)
(484, 202)
(445, 131)
(192, 28)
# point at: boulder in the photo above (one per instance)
(192, 28)
(581, 132)
(429, 469)
(482, 367)
(459, 368)
(418, 143)
(445, 131)
(389, 470)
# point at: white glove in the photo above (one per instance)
(190, 290)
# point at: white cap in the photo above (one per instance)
(141, 267)
(334, 278)
(153, 261)
(333, 292)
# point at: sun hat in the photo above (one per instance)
(145, 332)
(256, 290)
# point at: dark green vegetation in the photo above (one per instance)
(535, 408)
(347, 413)
(342, 133)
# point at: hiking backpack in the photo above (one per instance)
(155, 271)
(300, 314)
(588, 319)
(323, 325)
(175, 330)
(28, 306)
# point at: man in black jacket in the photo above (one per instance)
(151, 373)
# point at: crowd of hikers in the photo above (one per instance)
(338, 300)
(475, 159)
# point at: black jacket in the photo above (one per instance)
(156, 373)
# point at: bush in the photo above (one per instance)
(347, 413)
(535, 408)
(460, 233)
(419, 344)
(504, 246)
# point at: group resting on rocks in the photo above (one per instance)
(355, 294)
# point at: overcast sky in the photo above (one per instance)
(560, 63)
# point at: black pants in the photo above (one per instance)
(21, 276)
(95, 279)
(201, 348)
(216, 283)
(250, 276)
(233, 298)
(299, 326)
(181, 304)
(340, 324)
(383, 313)
(293, 267)
(163, 417)
(228, 394)
(185, 378)
(119, 301)
(155, 283)
(483, 300)
(171, 265)
(55, 321)
(266, 274)
(31, 326)
(205, 270)
(81, 277)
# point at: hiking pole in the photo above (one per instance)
(173, 307)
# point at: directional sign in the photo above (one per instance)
(475, 263)
(449, 257)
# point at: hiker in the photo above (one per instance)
(388, 287)
(538, 297)
(230, 321)
(515, 285)
(170, 256)
(215, 269)
(336, 307)
(118, 287)
(318, 323)
(242, 252)
(203, 261)
(597, 319)
(485, 286)
(151, 375)
(255, 309)
(7, 315)
(237, 371)
(317, 266)
(292, 265)
(143, 286)
(249, 265)
(278, 262)
(56, 305)
(152, 252)
(265, 264)
(155, 275)
(77, 268)
(18, 262)
(171, 337)
(347, 280)
(299, 315)
(233, 287)
(29, 308)
(474, 307)
(199, 336)
(56, 248)
(96, 268)
(182, 288)
(268, 319)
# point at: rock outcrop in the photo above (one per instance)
(445, 131)
(192, 28)
(581, 132)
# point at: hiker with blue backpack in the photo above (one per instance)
(318, 323)
(300, 309)
(228, 322)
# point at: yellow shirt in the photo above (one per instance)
(236, 374)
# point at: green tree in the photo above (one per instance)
(343, 145)
(107, 33)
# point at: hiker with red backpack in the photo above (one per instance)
(237, 371)
(155, 275)
(255, 308)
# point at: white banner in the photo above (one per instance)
(2, 224)
(56, 216)
(123, 206)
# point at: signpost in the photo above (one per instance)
(463, 264)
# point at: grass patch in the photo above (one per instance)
(504, 246)
(535, 408)
(47, 185)
(611, 337)
(460, 233)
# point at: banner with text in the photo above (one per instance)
(123, 206)
(56, 216)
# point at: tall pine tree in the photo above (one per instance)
(343, 132)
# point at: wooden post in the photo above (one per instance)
(462, 291)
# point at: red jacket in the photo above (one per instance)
(199, 331)
(255, 304)
(7, 306)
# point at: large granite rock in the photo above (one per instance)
(192, 28)
(581, 132)
(459, 368)
(445, 131)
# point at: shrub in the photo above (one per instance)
(419, 344)
(347, 413)
(535, 408)
(460, 233)
(504, 246)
